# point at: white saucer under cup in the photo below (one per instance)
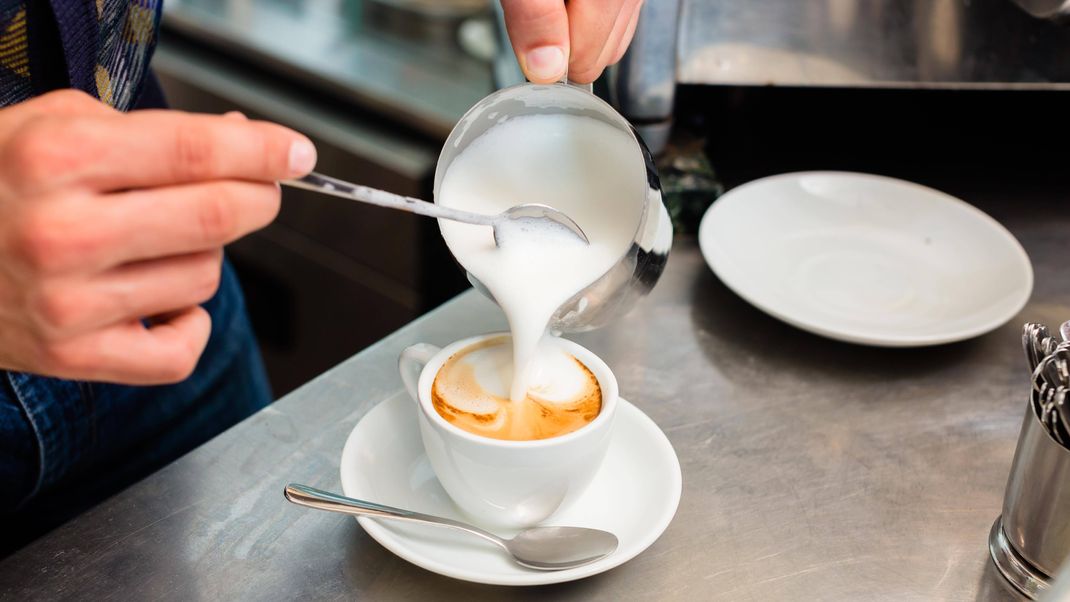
(866, 259)
(634, 495)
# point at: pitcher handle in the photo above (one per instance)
(411, 364)
(588, 88)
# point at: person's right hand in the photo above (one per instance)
(112, 227)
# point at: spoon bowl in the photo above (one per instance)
(556, 548)
(533, 219)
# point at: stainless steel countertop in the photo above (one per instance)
(813, 470)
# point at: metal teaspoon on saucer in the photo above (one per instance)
(540, 548)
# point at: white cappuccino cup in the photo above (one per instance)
(505, 483)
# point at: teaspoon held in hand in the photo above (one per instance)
(511, 222)
(540, 548)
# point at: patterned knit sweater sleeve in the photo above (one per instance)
(101, 47)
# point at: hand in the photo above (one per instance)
(112, 221)
(589, 34)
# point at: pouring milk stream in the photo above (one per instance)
(588, 169)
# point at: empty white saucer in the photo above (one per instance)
(866, 259)
(634, 496)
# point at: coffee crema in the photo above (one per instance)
(471, 392)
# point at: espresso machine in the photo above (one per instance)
(914, 44)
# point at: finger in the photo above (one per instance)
(67, 102)
(89, 233)
(177, 220)
(128, 293)
(591, 22)
(538, 30)
(626, 39)
(60, 103)
(158, 148)
(133, 354)
(616, 35)
(159, 286)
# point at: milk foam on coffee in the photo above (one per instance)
(589, 170)
(471, 391)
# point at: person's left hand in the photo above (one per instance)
(587, 35)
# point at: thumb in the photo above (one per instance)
(538, 30)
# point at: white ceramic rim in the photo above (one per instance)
(740, 287)
(606, 380)
(658, 524)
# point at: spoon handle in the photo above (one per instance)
(303, 495)
(333, 186)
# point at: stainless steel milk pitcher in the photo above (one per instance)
(635, 273)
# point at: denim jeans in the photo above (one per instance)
(66, 445)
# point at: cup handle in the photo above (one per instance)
(411, 364)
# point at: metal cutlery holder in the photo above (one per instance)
(1032, 537)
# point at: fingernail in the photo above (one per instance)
(302, 157)
(235, 115)
(545, 63)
